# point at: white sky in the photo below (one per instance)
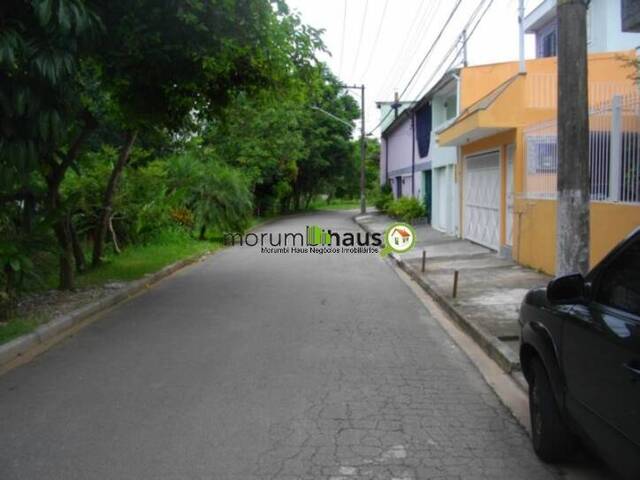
(386, 62)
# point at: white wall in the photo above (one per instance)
(608, 34)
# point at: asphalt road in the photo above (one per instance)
(262, 366)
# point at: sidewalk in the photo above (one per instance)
(490, 288)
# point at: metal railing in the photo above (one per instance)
(614, 153)
(542, 91)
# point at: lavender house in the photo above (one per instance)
(413, 163)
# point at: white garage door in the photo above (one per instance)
(482, 199)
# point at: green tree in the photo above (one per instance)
(44, 122)
(328, 141)
(189, 62)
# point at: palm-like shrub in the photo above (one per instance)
(407, 209)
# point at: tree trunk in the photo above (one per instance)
(107, 200)
(296, 200)
(28, 210)
(9, 275)
(67, 274)
(78, 254)
(114, 238)
(203, 231)
(55, 175)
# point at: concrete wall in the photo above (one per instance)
(605, 28)
(610, 223)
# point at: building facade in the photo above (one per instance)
(508, 156)
(412, 162)
(605, 32)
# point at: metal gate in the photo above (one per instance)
(482, 199)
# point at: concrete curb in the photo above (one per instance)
(500, 353)
(15, 348)
(19, 346)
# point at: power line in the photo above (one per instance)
(344, 28)
(435, 42)
(375, 42)
(471, 32)
(415, 73)
(419, 15)
(417, 42)
(364, 18)
(466, 27)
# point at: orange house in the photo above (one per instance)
(506, 135)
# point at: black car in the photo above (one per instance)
(580, 354)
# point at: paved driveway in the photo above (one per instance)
(262, 366)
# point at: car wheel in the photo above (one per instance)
(551, 438)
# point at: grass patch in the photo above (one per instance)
(335, 204)
(138, 260)
(17, 327)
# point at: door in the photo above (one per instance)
(601, 357)
(509, 195)
(444, 204)
(427, 193)
(398, 187)
(482, 199)
(440, 217)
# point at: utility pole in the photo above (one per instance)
(463, 39)
(522, 68)
(572, 249)
(396, 104)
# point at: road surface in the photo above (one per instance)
(255, 366)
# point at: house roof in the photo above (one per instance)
(540, 16)
(471, 125)
(400, 119)
(402, 233)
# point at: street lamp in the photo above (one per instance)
(349, 124)
(363, 201)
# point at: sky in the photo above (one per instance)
(382, 42)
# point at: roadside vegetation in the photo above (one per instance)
(134, 133)
(407, 209)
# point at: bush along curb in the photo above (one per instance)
(19, 346)
(506, 358)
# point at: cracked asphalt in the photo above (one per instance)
(255, 366)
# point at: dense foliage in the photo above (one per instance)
(123, 120)
(383, 198)
(406, 209)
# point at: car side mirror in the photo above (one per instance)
(567, 290)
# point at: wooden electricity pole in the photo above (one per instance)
(572, 248)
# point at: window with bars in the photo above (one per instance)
(614, 153)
